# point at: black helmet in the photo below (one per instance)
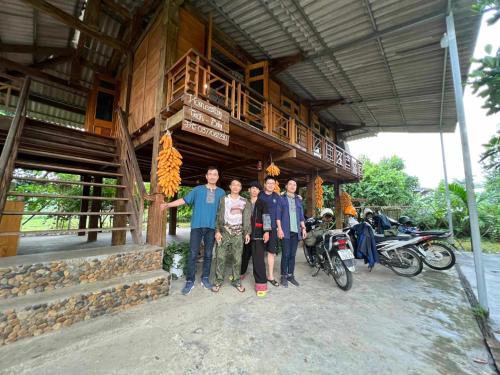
(404, 220)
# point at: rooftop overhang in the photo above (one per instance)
(375, 66)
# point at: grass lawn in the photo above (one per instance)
(488, 246)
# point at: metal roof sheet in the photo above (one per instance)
(390, 83)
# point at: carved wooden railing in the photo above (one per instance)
(135, 190)
(194, 74)
(11, 145)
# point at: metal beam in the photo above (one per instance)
(75, 23)
(40, 76)
(469, 183)
(27, 48)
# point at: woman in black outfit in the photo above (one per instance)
(261, 226)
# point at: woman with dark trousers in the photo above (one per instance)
(293, 230)
(261, 225)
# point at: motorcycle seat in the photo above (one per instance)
(430, 233)
(380, 238)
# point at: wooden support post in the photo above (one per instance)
(157, 219)
(339, 216)
(84, 205)
(310, 197)
(95, 207)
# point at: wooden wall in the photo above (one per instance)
(146, 72)
(191, 33)
(145, 78)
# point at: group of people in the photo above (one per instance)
(241, 229)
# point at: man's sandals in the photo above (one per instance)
(240, 288)
(216, 288)
(274, 282)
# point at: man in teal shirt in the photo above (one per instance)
(205, 202)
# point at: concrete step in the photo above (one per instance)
(33, 315)
(39, 273)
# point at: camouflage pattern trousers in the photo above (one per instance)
(229, 249)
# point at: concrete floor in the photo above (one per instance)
(492, 275)
(385, 325)
(43, 244)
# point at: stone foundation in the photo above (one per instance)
(34, 319)
(31, 274)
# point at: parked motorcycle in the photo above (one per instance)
(333, 253)
(399, 255)
(436, 252)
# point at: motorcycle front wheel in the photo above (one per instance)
(410, 264)
(340, 273)
(439, 256)
(307, 254)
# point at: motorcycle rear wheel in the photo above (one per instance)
(340, 273)
(411, 258)
(442, 256)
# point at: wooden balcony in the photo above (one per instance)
(252, 115)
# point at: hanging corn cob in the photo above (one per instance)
(346, 204)
(318, 188)
(274, 171)
(169, 166)
(345, 200)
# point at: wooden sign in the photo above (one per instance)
(202, 118)
(214, 135)
(205, 107)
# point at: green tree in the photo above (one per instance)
(485, 79)
(384, 183)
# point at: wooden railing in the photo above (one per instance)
(135, 190)
(194, 74)
(11, 144)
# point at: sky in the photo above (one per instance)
(422, 152)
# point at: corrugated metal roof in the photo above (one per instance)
(22, 25)
(392, 83)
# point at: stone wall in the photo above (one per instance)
(30, 278)
(36, 319)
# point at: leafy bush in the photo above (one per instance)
(181, 248)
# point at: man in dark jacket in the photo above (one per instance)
(291, 221)
(260, 228)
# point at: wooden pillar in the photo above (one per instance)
(84, 205)
(95, 207)
(157, 219)
(339, 216)
(311, 197)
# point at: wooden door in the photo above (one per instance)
(257, 77)
(100, 117)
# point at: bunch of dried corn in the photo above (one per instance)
(345, 200)
(169, 167)
(274, 171)
(318, 188)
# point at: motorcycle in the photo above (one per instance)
(401, 255)
(435, 251)
(333, 253)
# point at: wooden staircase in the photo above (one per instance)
(39, 146)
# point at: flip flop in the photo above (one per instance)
(216, 288)
(274, 282)
(240, 288)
